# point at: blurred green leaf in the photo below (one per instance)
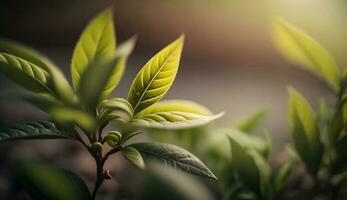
(44, 102)
(305, 133)
(340, 161)
(252, 122)
(339, 121)
(25, 73)
(94, 79)
(300, 48)
(251, 168)
(174, 120)
(249, 142)
(123, 51)
(70, 116)
(283, 175)
(163, 182)
(51, 183)
(33, 130)
(156, 76)
(173, 156)
(116, 109)
(59, 84)
(133, 156)
(96, 42)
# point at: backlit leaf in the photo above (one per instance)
(96, 42)
(175, 105)
(25, 73)
(156, 76)
(32, 130)
(173, 120)
(173, 156)
(59, 84)
(300, 48)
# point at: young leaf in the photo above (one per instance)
(175, 105)
(156, 77)
(116, 109)
(94, 79)
(25, 73)
(173, 120)
(282, 176)
(51, 183)
(243, 164)
(247, 141)
(173, 156)
(302, 49)
(96, 42)
(249, 124)
(33, 130)
(123, 51)
(251, 168)
(59, 84)
(305, 132)
(173, 185)
(133, 156)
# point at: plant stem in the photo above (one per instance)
(99, 175)
(100, 162)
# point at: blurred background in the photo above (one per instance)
(229, 63)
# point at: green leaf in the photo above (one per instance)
(339, 121)
(173, 185)
(32, 130)
(133, 156)
(282, 176)
(251, 168)
(94, 79)
(51, 183)
(300, 48)
(123, 51)
(26, 53)
(156, 76)
(173, 120)
(69, 116)
(59, 84)
(173, 156)
(250, 123)
(175, 105)
(25, 73)
(248, 142)
(305, 133)
(116, 109)
(96, 42)
(44, 102)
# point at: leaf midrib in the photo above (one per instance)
(154, 77)
(168, 158)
